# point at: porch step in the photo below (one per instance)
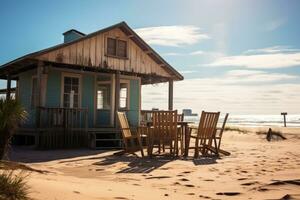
(106, 138)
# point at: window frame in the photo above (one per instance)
(71, 75)
(117, 42)
(127, 82)
(110, 95)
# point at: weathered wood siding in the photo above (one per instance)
(92, 52)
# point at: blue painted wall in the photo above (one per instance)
(53, 97)
(53, 89)
(133, 113)
(25, 85)
(88, 96)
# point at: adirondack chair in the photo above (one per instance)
(132, 142)
(180, 118)
(164, 131)
(205, 133)
(218, 137)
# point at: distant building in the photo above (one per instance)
(188, 112)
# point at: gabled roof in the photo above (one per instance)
(124, 27)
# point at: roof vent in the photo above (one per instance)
(72, 35)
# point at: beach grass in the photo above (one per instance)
(13, 185)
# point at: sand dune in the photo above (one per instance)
(256, 169)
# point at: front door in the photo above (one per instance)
(104, 101)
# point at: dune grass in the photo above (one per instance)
(236, 129)
(13, 185)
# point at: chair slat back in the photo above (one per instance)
(208, 124)
(165, 124)
(180, 117)
(125, 128)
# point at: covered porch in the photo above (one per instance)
(93, 122)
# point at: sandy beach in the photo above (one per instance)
(256, 169)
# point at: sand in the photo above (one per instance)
(256, 169)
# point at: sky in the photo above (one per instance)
(237, 56)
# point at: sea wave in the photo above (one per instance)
(255, 120)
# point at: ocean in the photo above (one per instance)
(255, 120)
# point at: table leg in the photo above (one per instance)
(187, 140)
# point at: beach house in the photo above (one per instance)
(73, 90)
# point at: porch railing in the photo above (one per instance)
(63, 127)
(68, 118)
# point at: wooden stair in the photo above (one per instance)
(105, 138)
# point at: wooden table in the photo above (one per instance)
(186, 134)
(185, 127)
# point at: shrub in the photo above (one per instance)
(13, 186)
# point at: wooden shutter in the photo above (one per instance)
(111, 46)
(122, 49)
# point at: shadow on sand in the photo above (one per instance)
(135, 164)
(30, 155)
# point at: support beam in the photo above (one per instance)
(38, 101)
(8, 87)
(170, 95)
(117, 96)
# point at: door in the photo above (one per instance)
(104, 103)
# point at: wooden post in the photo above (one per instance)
(8, 87)
(117, 96)
(38, 101)
(284, 118)
(170, 95)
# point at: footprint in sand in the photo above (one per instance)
(228, 193)
(76, 192)
(189, 185)
(186, 172)
(184, 179)
(208, 180)
(176, 183)
(190, 193)
(121, 198)
(158, 177)
(250, 183)
(205, 197)
(241, 179)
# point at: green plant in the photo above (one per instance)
(12, 114)
(13, 186)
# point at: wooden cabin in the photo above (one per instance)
(73, 90)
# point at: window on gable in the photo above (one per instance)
(116, 47)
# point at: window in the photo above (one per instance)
(71, 92)
(34, 94)
(123, 95)
(116, 47)
(103, 96)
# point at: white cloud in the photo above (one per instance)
(275, 24)
(197, 53)
(274, 49)
(173, 54)
(272, 57)
(254, 76)
(172, 35)
(187, 71)
(220, 94)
